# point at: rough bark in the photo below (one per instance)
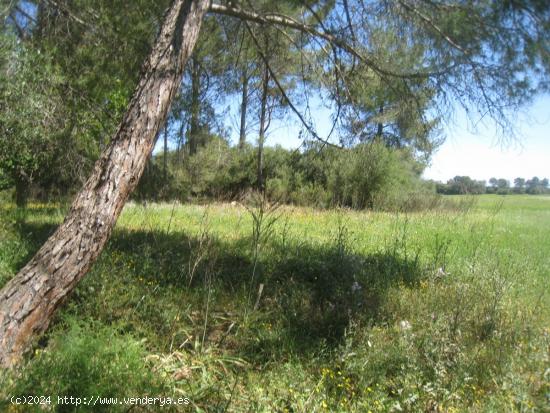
(28, 301)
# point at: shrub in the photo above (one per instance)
(369, 175)
(373, 176)
(88, 360)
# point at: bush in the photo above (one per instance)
(369, 175)
(88, 360)
(373, 176)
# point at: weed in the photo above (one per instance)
(439, 310)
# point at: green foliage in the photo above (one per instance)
(397, 113)
(359, 311)
(374, 176)
(369, 175)
(64, 85)
(88, 360)
(461, 185)
(100, 58)
(31, 130)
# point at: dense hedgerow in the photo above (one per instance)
(369, 175)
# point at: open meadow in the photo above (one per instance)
(254, 308)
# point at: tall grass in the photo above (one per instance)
(444, 310)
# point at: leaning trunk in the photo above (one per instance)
(28, 300)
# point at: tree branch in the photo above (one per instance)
(432, 24)
(309, 128)
(286, 21)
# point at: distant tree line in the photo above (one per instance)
(460, 185)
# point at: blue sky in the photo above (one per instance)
(484, 154)
(480, 154)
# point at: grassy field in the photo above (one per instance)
(255, 309)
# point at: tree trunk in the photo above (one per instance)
(261, 137)
(195, 105)
(380, 128)
(165, 157)
(21, 192)
(181, 143)
(28, 300)
(244, 104)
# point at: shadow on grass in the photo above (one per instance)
(34, 235)
(311, 292)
